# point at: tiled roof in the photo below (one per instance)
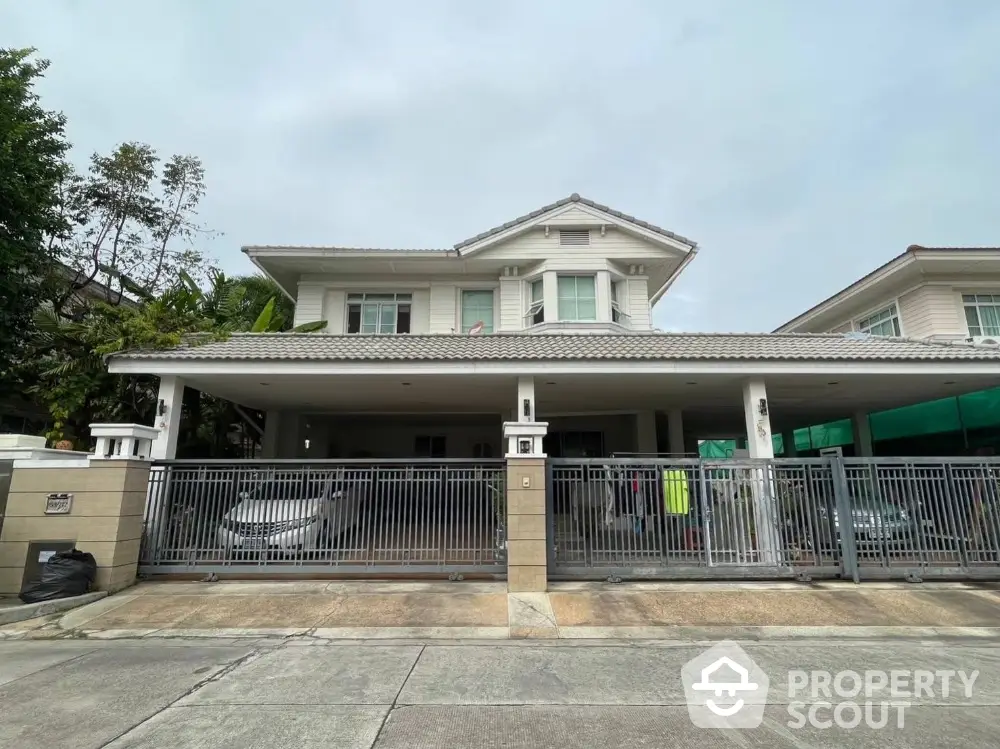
(570, 347)
(574, 198)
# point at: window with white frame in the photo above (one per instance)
(378, 314)
(885, 322)
(618, 298)
(535, 314)
(982, 313)
(577, 297)
(477, 307)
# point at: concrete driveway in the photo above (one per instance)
(302, 693)
(366, 610)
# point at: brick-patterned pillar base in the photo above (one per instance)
(527, 545)
(104, 518)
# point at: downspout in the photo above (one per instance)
(673, 276)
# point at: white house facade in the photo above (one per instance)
(426, 353)
(938, 293)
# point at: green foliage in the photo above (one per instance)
(70, 373)
(32, 147)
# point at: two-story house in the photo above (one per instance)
(929, 293)
(937, 293)
(546, 317)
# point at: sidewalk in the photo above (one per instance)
(485, 611)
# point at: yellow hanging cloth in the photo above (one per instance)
(676, 499)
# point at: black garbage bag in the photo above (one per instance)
(66, 574)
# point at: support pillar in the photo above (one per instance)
(758, 420)
(527, 527)
(675, 432)
(645, 432)
(168, 418)
(269, 442)
(862, 434)
(788, 440)
(525, 399)
(767, 539)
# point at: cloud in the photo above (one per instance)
(802, 144)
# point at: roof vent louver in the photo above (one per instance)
(574, 237)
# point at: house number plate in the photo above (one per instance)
(58, 504)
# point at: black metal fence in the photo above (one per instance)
(382, 517)
(858, 518)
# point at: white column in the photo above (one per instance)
(760, 446)
(550, 293)
(645, 428)
(862, 434)
(269, 442)
(525, 392)
(758, 420)
(168, 418)
(675, 432)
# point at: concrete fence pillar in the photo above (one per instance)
(527, 524)
(92, 502)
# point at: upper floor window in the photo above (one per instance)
(574, 237)
(378, 313)
(535, 314)
(477, 307)
(885, 322)
(577, 297)
(982, 313)
(618, 313)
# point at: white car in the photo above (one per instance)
(291, 515)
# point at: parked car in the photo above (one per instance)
(292, 515)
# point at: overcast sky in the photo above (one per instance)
(800, 143)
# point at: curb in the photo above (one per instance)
(11, 614)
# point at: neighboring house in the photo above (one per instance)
(930, 293)
(546, 317)
(939, 293)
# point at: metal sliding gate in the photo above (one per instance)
(856, 518)
(352, 517)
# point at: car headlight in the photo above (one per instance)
(302, 522)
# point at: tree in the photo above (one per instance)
(70, 373)
(32, 170)
(134, 221)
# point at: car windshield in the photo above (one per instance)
(287, 489)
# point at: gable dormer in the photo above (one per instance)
(576, 265)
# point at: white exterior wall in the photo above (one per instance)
(637, 304)
(443, 308)
(934, 308)
(309, 304)
(533, 245)
(511, 317)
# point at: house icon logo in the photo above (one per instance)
(725, 688)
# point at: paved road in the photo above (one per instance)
(298, 693)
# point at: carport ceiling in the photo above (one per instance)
(795, 400)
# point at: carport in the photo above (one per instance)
(378, 411)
